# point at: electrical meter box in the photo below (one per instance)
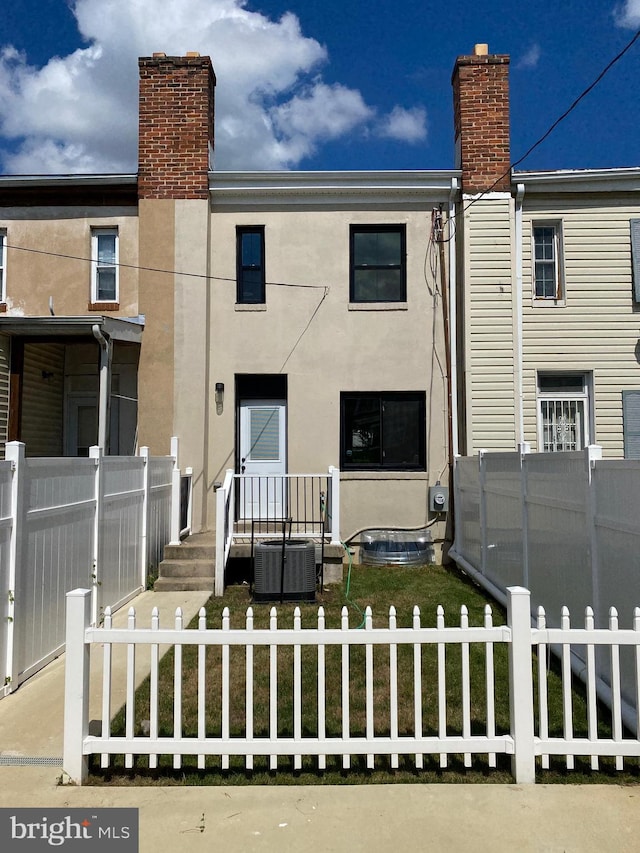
(439, 498)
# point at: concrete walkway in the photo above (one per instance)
(496, 818)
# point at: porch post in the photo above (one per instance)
(106, 351)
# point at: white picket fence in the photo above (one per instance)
(99, 522)
(565, 526)
(381, 646)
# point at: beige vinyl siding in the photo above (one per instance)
(596, 330)
(4, 391)
(489, 324)
(42, 399)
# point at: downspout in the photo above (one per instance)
(104, 398)
(518, 326)
(453, 339)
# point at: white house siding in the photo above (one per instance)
(4, 391)
(489, 323)
(598, 327)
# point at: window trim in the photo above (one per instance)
(406, 396)
(96, 299)
(558, 261)
(240, 231)
(586, 396)
(400, 228)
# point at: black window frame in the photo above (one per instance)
(402, 265)
(241, 269)
(382, 397)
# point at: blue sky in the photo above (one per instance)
(316, 85)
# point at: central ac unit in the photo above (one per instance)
(291, 580)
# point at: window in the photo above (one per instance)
(378, 272)
(104, 253)
(382, 430)
(563, 411)
(547, 261)
(250, 264)
(3, 265)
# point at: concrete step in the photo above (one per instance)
(186, 568)
(183, 584)
(200, 546)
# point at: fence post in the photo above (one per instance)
(483, 510)
(76, 685)
(14, 453)
(144, 557)
(525, 448)
(96, 453)
(175, 494)
(523, 764)
(593, 455)
(334, 473)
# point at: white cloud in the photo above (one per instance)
(628, 15)
(531, 58)
(79, 112)
(404, 125)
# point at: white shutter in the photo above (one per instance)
(631, 424)
(635, 256)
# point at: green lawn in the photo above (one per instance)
(380, 588)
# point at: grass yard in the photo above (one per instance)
(380, 588)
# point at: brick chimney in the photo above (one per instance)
(175, 126)
(481, 118)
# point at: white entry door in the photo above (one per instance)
(263, 458)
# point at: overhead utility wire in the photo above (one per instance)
(156, 269)
(558, 120)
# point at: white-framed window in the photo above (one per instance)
(3, 266)
(104, 254)
(547, 266)
(564, 411)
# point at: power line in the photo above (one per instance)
(561, 118)
(158, 270)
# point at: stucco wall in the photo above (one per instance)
(308, 331)
(60, 269)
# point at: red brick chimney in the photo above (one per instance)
(481, 118)
(175, 125)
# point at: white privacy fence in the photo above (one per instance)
(99, 522)
(386, 700)
(565, 525)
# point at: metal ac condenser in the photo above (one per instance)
(299, 581)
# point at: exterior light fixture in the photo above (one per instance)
(219, 397)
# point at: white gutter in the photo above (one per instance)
(105, 387)
(453, 339)
(519, 323)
